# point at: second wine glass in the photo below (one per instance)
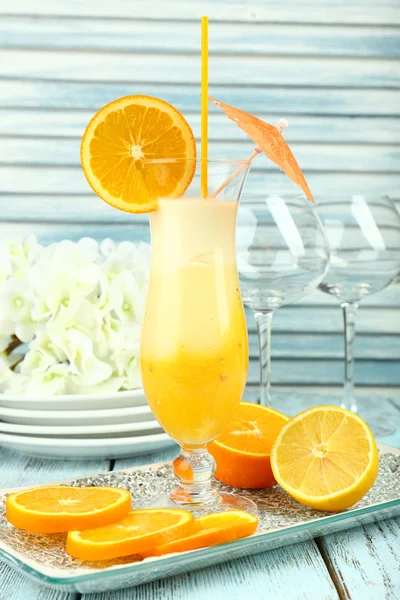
(282, 255)
(364, 237)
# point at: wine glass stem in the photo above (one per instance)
(349, 319)
(263, 320)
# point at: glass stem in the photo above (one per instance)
(263, 320)
(349, 318)
(194, 469)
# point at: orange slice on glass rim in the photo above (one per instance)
(59, 508)
(138, 532)
(211, 530)
(242, 450)
(120, 143)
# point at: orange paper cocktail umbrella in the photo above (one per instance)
(270, 140)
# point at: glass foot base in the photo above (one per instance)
(222, 502)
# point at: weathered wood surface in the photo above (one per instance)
(65, 151)
(18, 470)
(365, 562)
(333, 11)
(354, 559)
(297, 101)
(296, 572)
(15, 586)
(70, 123)
(224, 69)
(258, 38)
(42, 180)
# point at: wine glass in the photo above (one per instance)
(282, 255)
(364, 237)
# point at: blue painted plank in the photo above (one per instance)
(302, 128)
(296, 571)
(20, 470)
(311, 156)
(231, 38)
(303, 100)
(381, 413)
(223, 69)
(70, 180)
(14, 586)
(310, 11)
(365, 562)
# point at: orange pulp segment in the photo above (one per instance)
(57, 509)
(213, 529)
(326, 458)
(139, 531)
(122, 138)
(242, 450)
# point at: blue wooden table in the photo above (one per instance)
(359, 564)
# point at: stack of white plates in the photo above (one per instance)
(76, 427)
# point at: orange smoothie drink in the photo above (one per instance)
(194, 354)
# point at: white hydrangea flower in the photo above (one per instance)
(110, 336)
(5, 372)
(133, 378)
(85, 368)
(22, 254)
(50, 382)
(79, 307)
(36, 362)
(107, 247)
(126, 288)
(25, 330)
(44, 344)
(5, 262)
(6, 330)
(16, 301)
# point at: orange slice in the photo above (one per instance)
(242, 450)
(326, 458)
(213, 529)
(57, 509)
(139, 531)
(120, 140)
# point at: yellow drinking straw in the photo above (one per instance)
(204, 107)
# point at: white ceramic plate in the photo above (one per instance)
(74, 449)
(84, 431)
(127, 399)
(76, 417)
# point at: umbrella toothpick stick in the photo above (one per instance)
(280, 125)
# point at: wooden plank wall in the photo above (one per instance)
(332, 68)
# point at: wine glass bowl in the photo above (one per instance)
(282, 255)
(364, 238)
(281, 250)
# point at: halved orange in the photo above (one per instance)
(242, 450)
(326, 458)
(122, 138)
(213, 529)
(139, 531)
(57, 509)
